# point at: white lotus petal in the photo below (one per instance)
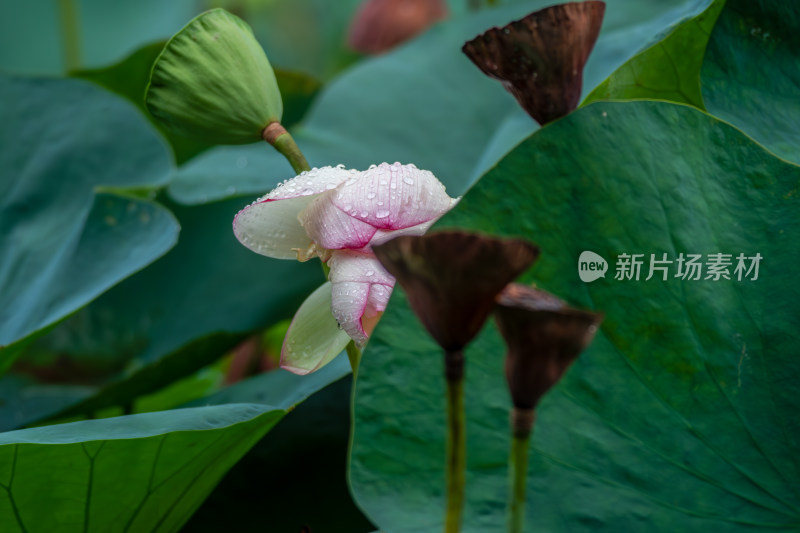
(314, 181)
(269, 226)
(314, 338)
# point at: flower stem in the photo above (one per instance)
(456, 441)
(521, 428)
(70, 34)
(354, 355)
(278, 137)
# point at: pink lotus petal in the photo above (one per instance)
(393, 196)
(348, 303)
(383, 235)
(333, 228)
(361, 289)
(269, 226)
(349, 265)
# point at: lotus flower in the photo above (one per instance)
(337, 215)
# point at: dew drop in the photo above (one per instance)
(371, 195)
(408, 180)
(382, 213)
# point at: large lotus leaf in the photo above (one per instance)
(178, 315)
(304, 455)
(751, 72)
(681, 416)
(62, 243)
(424, 103)
(146, 472)
(667, 70)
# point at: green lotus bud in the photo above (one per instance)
(213, 82)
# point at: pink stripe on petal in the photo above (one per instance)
(331, 227)
(393, 196)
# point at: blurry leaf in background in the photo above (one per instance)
(681, 414)
(146, 472)
(307, 36)
(31, 32)
(423, 103)
(667, 70)
(295, 476)
(63, 243)
(751, 73)
(177, 316)
(128, 78)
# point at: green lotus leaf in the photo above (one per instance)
(213, 82)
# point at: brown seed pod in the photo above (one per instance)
(540, 58)
(544, 337)
(452, 278)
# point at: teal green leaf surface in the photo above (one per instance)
(146, 472)
(304, 455)
(32, 39)
(179, 315)
(681, 416)
(751, 72)
(424, 103)
(63, 244)
(667, 70)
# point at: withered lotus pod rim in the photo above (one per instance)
(453, 277)
(540, 58)
(544, 337)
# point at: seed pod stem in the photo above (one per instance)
(456, 440)
(276, 135)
